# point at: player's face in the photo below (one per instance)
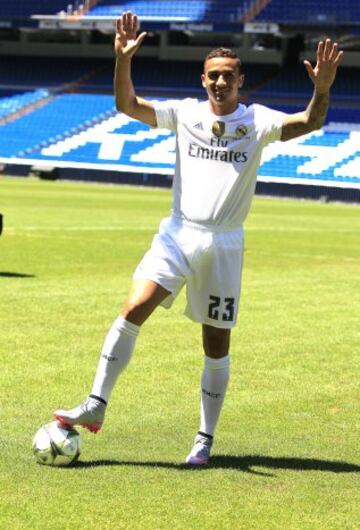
(222, 80)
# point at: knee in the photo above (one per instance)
(144, 297)
(134, 311)
(216, 342)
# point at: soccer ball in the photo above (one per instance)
(56, 445)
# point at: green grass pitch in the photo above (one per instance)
(287, 452)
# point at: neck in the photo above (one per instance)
(222, 110)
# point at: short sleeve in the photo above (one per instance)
(167, 114)
(269, 123)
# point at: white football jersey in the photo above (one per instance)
(217, 158)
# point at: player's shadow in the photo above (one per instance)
(6, 274)
(245, 464)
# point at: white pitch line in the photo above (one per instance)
(154, 229)
(298, 229)
(80, 228)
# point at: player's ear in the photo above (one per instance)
(241, 80)
(203, 80)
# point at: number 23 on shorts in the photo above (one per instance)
(214, 308)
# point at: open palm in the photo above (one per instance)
(328, 59)
(126, 41)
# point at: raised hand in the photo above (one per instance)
(328, 59)
(126, 41)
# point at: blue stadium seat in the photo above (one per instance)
(190, 10)
(13, 104)
(26, 8)
(86, 129)
(310, 12)
(292, 82)
(45, 71)
(54, 120)
(302, 11)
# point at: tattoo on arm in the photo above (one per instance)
(304, 122)
(317, 110)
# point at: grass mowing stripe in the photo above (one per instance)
(286, 452)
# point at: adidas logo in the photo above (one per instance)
(199, 126)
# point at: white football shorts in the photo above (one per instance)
(209, 262)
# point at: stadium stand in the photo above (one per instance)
(301, 12)
(13, 104)
(47, 71)
(59, 111)
(293, 82)
(25, 8)
(96, 75)
(171, 77)
(79, 129)
(193, 10)
(62, 116)
(170, 10)
(310, 12)
(54, 73)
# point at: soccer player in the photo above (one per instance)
(218, 148)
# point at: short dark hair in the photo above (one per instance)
(223, 52)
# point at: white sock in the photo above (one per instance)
(115, 355)
(214, 381)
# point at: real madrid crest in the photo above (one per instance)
(218, 128)
(241, 130)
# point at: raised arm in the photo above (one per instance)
(322, 76)
(126, 44)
